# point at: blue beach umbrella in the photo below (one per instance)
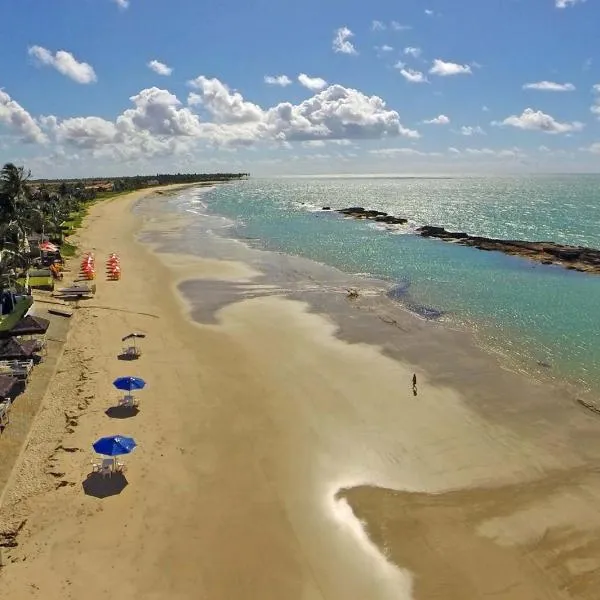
(114, 445)
(129, 383)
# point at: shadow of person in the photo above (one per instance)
(126, 356)
(122, 412)
(414, 390)
(98, 486)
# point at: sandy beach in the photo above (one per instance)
(281, 452)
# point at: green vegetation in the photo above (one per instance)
(52, 210)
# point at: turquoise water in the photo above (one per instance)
(535, 312)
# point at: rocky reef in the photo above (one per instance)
(577, 258)
(373, 215)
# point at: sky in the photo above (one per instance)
(407, 87)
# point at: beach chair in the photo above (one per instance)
(96, 466)
(21, 369)
(128, 400)
(120, 467)
(131, 352)
(107, 468)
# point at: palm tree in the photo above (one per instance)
(14, 195)
(13, 190)
(10, 263)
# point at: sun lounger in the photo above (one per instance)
(21, 369)
(60, 312)
(76, 291)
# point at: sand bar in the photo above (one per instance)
(278, 460)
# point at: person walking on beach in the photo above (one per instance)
(414, 384)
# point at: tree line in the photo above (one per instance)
(48, 209)
(136, 182)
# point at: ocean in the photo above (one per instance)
(541, 318)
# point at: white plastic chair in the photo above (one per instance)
(108, 465)
(132, 352)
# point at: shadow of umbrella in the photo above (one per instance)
(102, 487)
(122, 412)
(124, 356)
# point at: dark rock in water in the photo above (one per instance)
(432, 231)
(326, 208)
(575, 258)
(357, 212)
(425, 311)
(391, 220)
(399, 290)
(352, 210)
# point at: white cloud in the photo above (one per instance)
(122, 3)
(156, 126)
(158, 112)
(532, 120)
(595, 108)
(394, 25)
(428, 12)
(280, 80)
(18, 119)
(390, 152)
(549, 86)
(65, 63)
(412, 76)
(445, 69)
(513, 153)
(83, 132)
(566, 3)
(334, 113)
(160, 68)
(412, 51)
(439, 120)
(505, 153)
(485, 108)
(224, 105)
(384, 48)
(312, 83)
(468, 130)
(341, 41)
(159, 125)
(594, 148)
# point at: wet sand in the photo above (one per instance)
(282, 453)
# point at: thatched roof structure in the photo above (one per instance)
(28, 325)
(11, 349)
(7, 385)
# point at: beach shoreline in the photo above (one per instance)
(281, 449)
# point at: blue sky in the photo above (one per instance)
(109, 87)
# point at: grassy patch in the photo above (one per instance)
(67, 250)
